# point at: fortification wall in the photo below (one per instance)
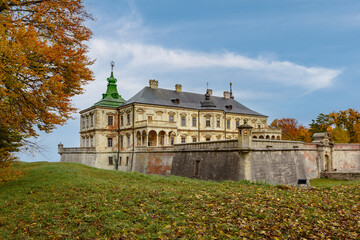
(278, 166)
(85, 156)
(272, 161)
(154, 160)
(267, 161)
(312, 160)
(346, 157)
(208, 165)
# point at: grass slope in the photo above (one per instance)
(66, 200)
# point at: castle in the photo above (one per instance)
(161, 131)
(160, 117)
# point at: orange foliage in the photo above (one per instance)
(43, 62)
(292, 130)
(348, 120)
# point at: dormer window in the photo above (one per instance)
(229, 107)
(175, 100)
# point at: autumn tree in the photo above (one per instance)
(43, 62)
(291, 129)
(348, 120)
(323, 123)
(10, 142)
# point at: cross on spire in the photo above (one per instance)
(112, 64)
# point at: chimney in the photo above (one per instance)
(227, 95)
(210, 92)
(153, 83)
(178, 87)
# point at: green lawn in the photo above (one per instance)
(66, 200)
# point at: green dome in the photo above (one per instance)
(111, 98)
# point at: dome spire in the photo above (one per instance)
(111, 97)
(112, 64)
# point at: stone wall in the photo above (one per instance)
(278, 166)
(341, 175)
(268, 162)
(272, 161)
(346, 157)
(312, 161)
(154, 160)
(85, 156)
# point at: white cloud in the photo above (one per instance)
(137, 56)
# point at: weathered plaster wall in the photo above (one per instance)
(154, 160)
(312, 164)
(346, 157)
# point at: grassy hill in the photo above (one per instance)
(66, 200)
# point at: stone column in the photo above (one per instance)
(245, 144)
(157, 139)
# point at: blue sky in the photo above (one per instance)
(286, 58)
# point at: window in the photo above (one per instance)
(83, 142)
(194, 121)
(110, 142)
(83, 122)
(120, 160)
(208, 139)
(183, 140)
(92, 120)
(87, 142)
(128, 141)
(121, 141)
(122, 120)
(172, 140)
(87, 121)
(259, 126)
(183, 121)
(171, 118)
(218, 122)
(228, 123)
(127, 161)
(111, 161)
(110, 120)
(128, 118)
(208, 121)
(237, 123)
(194, 139)
(91, 141)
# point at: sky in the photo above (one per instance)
(285, 58)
